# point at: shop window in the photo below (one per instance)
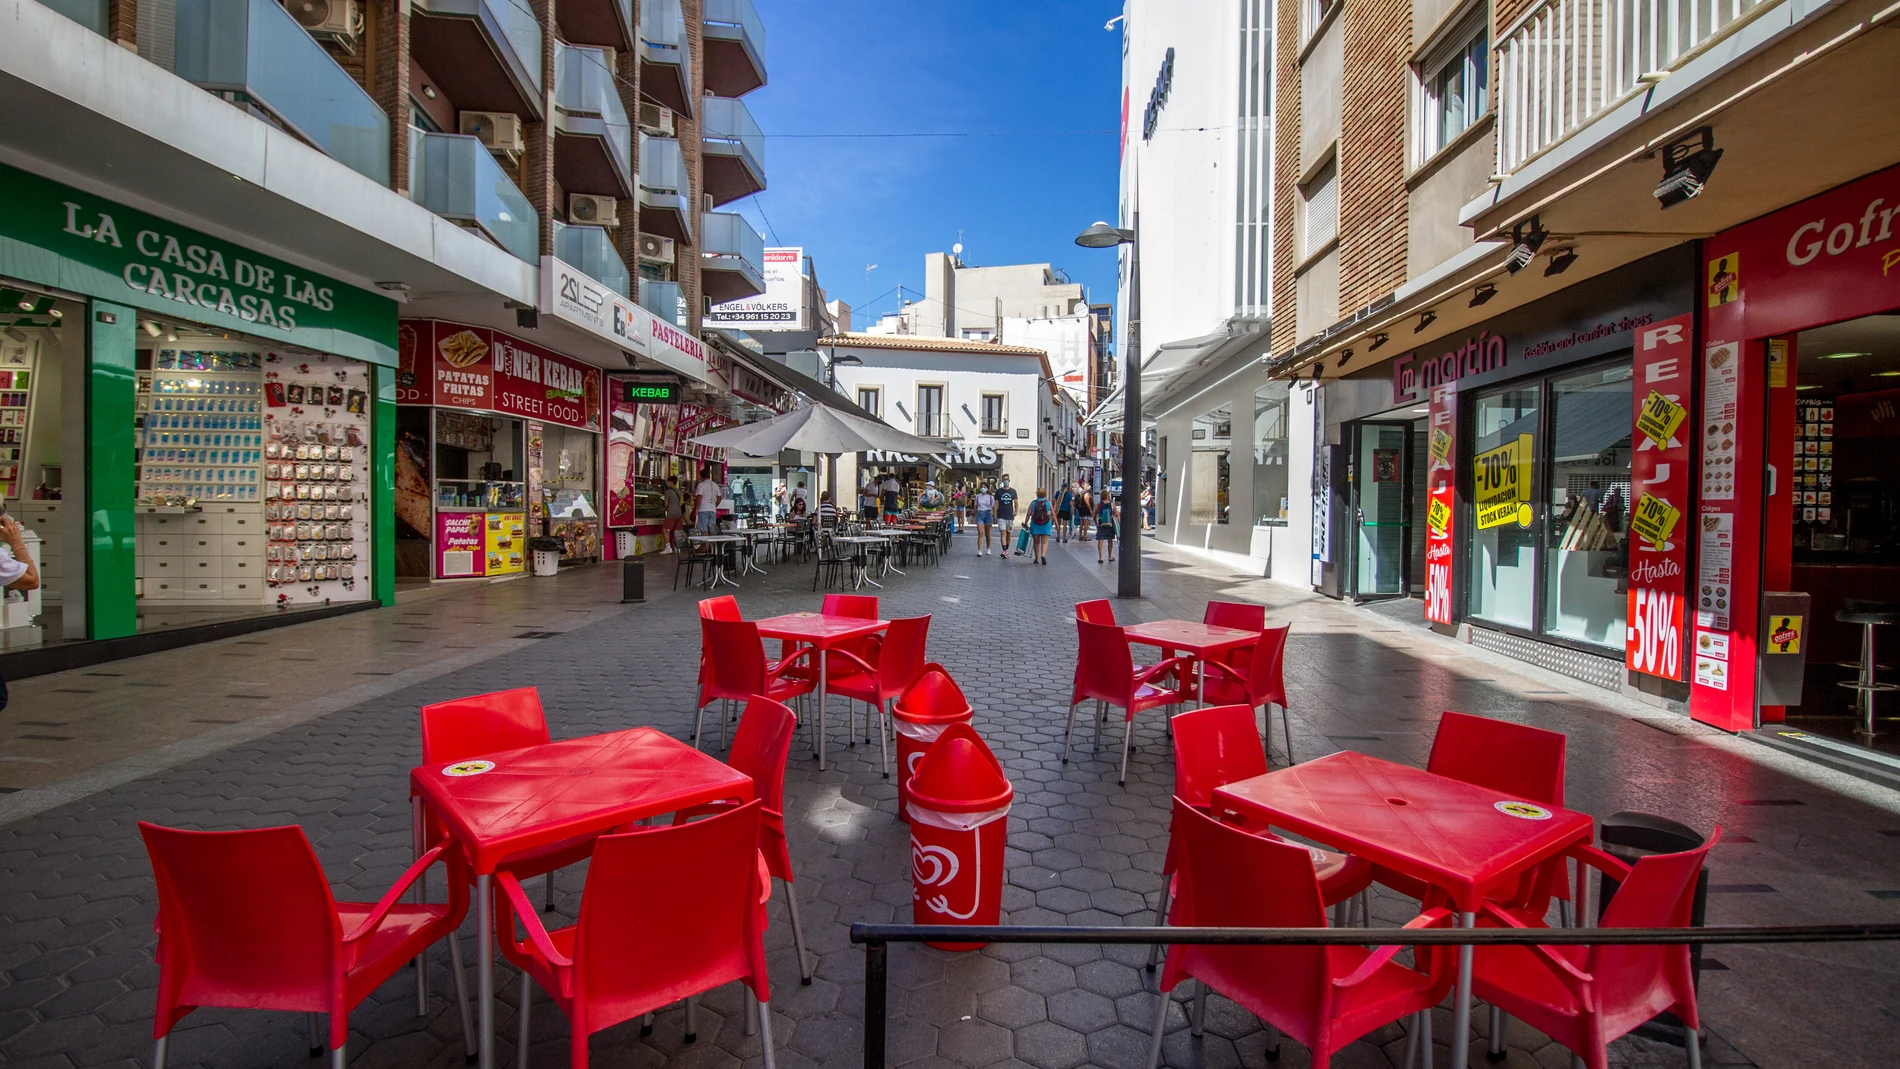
(1269, 455)
(871, 399)
(1313, 15)
(1454, 89)
(1587, 541)
(1210, 473)
(1503, 538)
(994, 421)
(930, 413)
(1319, 208)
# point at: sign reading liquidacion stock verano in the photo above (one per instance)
(110, 251)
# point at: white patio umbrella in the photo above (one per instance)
(819, 429)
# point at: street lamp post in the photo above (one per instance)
(1103, 236)
(831, 459)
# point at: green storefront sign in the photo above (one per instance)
(57, 236)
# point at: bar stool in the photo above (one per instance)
(1868, 614)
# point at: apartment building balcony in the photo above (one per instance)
(732, 155)
(455, 176)
(663, 299)
(735, 47)
(666, 72)
(664, 195)
(593, 144)
(94, 15)
(485, 54)
(596, 22)
(592, 249)
(253, 54)
(731, 258)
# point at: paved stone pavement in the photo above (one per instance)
(1803, 844)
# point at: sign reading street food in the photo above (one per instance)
(456, 366)
(1503, 484)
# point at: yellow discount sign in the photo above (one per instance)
(1503, 484)
(1654, 519)
(1438, 516)
(1441, 446)
(1659, 418)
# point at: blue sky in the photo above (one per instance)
(935, 66)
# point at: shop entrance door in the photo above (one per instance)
(1382, 509)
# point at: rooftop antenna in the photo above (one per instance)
(868, 268)
(956, 250)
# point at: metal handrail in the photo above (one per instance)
(876, 939)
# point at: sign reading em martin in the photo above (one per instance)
(116, 253)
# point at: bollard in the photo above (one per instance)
(633, 580)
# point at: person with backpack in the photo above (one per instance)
(1065, 511)
(1084, 511)
(1006, 511)
(1105, 529)
(1041, 523)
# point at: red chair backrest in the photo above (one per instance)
(1099, 611)
(1237, 614)
(1105, 667)
(462, 728)
(667, 913)
(1212, 748)
(245, 919)
(1231, 878)
(1514, 759)
(735, 659)
(759, 748)
(1659, 893)
(857, 606)
(1266, 667)
(723, 607)
(901, 658)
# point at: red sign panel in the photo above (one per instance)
(1441, 453)
(1660, 517)
(455, 366)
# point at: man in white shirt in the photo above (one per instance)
(892, 491)
(17, 572)
(706, 502)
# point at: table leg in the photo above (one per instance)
(824, 702)
(416, 818)
(1461, 1000)
(485, 970)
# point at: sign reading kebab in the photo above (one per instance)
(457, 366)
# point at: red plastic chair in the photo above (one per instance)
(642, 941)
(1586, 996)
(897, 663)
(1099, 611)
(466, 728)
(1216, 746)
(1515, 760)
(723, 607)
(856, 607)
(759, 749)
(1241, 615)
(737, 667)
(1324, 997)
(1255, 678)
(1105, 670)
(246, 921)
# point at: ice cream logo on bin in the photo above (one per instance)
(936, 866)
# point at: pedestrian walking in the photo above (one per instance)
(1006, 511)
(1065, 511)
(985, 518)
(1105, 529)
(892, 489)
(1148, 507)
(1084, 510)
(675, 512)
(931, 500)
(959, 507)
(1041, 525)
(706, 503)
(867, 496)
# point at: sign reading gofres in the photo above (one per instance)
(780, 307)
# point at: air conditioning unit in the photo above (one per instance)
(656, 119)
(590, 210)
(499, 130)
(336, 20)
(656, 249)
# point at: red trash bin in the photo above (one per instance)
(959, 800)
(930, 704)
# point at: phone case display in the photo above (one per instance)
(200, 433)
(316, 478)
(16, 383)
(1813, 469)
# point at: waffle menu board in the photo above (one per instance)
(1814, 462)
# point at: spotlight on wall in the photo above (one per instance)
(1343, 358)
(1526, 239)
(1560, 260)
(26, 305)
(1482, 294)
(151, 328)
(1425, 319)
(1316, 370)
(1378, 340)
(1687, 163)
(14, 333)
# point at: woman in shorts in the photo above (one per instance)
(1105, 529)
(985, 519)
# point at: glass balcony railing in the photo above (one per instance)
(663, 299)
(733, 22)
(591, 249)
(662, 167)
(585, 89)
(663, 43)
(454, 176)
(729, 235)
(726, 124)
(94, 15)
(253, 53)
(514, 19)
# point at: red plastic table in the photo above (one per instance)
(824, 632)
(1198, 639)
(538, 795)
(1456, 836)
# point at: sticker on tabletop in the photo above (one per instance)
(468, 768)
(1522, 810)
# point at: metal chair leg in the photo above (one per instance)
(1161, 1021)
(1273, 1042)
(461, 998)
(692, 1018)
(798, 934)
(1692, 1043)
(646, 1024)
(699, 719)
(548, 905)
(521, 1039)
(1286, 725)
(1067, 734)
(765, 1034)
(751, 1017)
(160, 1051)
(339, 1058)
(316, 1032)
(1198, 1025)
(1495, 1051)
(1128, 737)
(1161, 918)
(883, 747)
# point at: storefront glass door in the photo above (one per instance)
(1503, 537)
(1587, 546)
(1382, 528)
